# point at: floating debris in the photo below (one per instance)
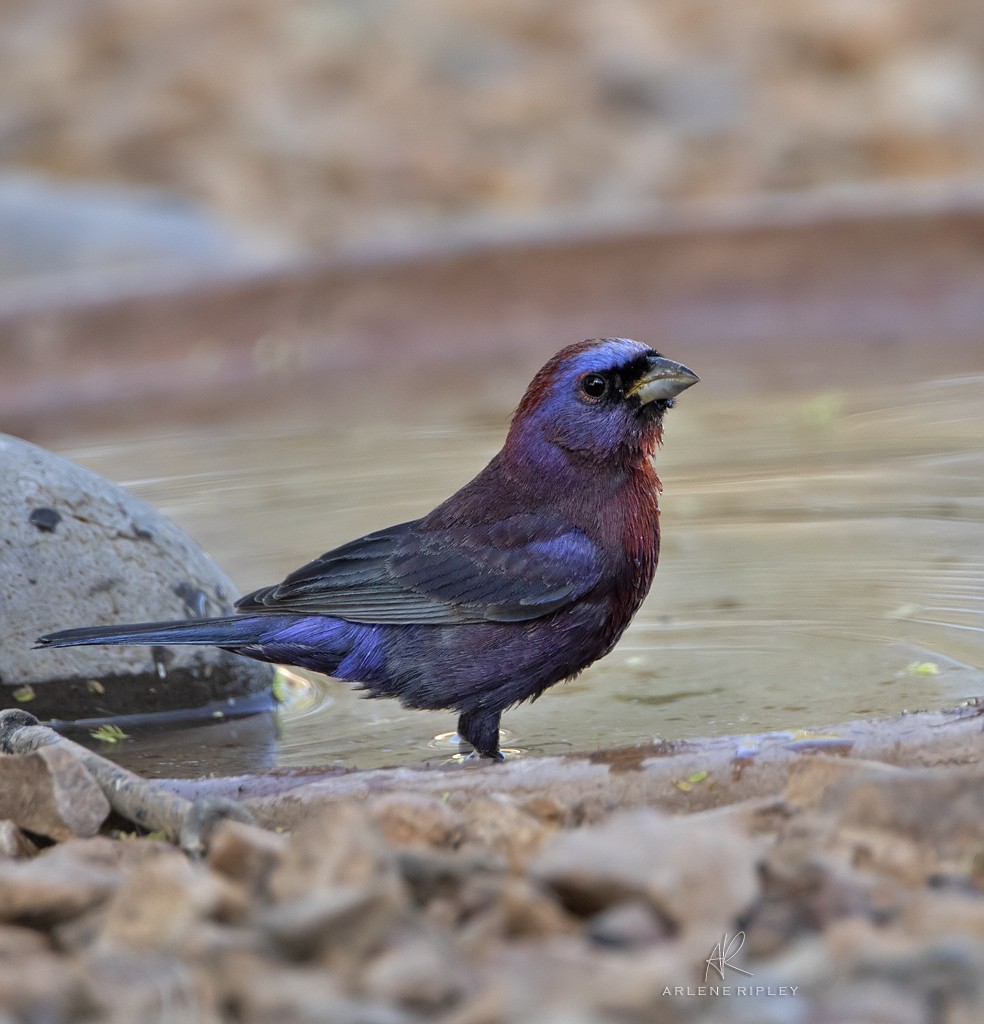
(922, 668)
(109, 734)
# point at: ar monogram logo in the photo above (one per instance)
(722, 955)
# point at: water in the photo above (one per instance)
(823, 558)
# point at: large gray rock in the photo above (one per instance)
(77, 550)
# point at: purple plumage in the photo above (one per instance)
(522, 578)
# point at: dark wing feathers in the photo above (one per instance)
(523, 568)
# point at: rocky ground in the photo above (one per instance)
(315, 123)
(852, 893)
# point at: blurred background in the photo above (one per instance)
(210, 130)
(284, 270)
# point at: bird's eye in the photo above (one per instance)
(594, 385)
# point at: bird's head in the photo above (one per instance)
(602, 399)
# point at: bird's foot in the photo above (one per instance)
(466, 752)
(480, 730)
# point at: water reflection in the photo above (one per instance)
(815, 549)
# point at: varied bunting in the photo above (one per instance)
(522, 578)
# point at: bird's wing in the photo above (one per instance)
(517, 569)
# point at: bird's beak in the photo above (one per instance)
(663, 380)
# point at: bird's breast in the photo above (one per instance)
(632, 527)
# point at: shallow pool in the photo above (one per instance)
(823, 557)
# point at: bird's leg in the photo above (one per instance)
(481, 730)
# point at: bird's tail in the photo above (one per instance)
(233, 631)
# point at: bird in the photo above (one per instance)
(521, 579)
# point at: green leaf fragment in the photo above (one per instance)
(687, 784)
(109, 734)
(922, 668)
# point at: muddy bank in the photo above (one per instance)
(805, 291)
(829, 886)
